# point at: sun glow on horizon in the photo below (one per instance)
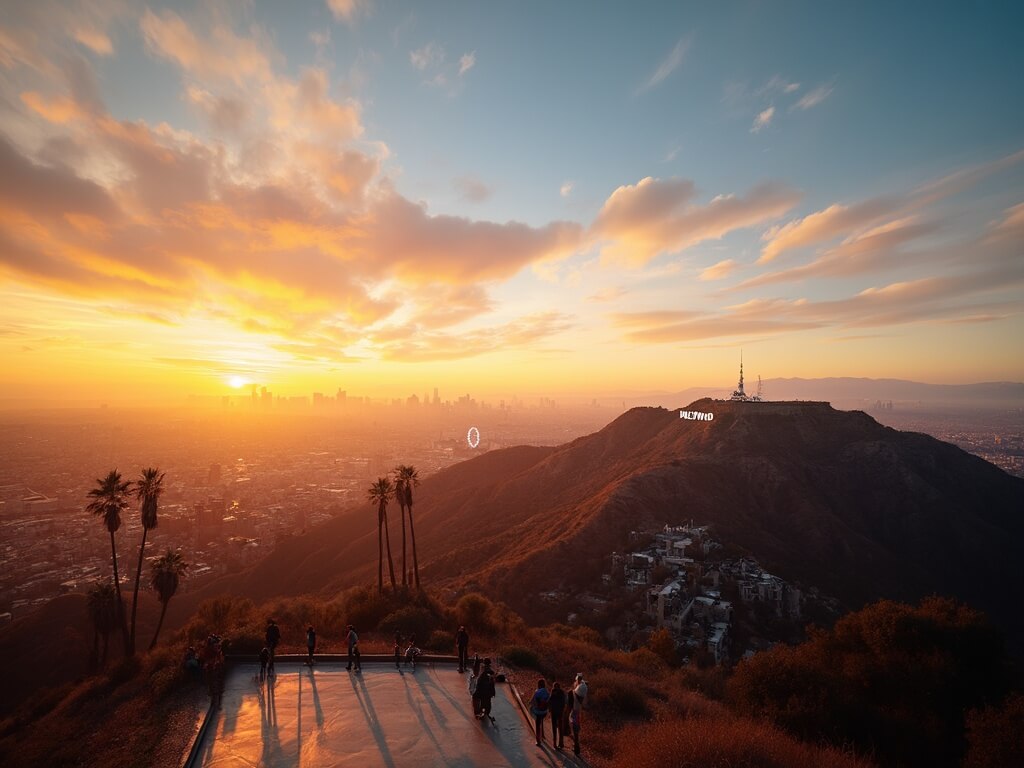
(237, 382)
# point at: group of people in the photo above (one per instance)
(565, 708)
(563, 704)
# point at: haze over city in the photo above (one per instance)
(552, 200)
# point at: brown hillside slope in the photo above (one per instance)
(826, 497)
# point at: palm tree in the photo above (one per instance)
(147, 489)
(410, 477)
(165, 575)
(382, 492)
(109, 500)
(102, 604)
(400, 498)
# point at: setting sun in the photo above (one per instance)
(237, 382)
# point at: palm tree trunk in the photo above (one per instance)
(120, 605)
(415, 562)
(391, 563)
(380, 551)
(163, 612)
(135, 595)
(405, 573)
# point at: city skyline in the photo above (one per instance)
(196, 198)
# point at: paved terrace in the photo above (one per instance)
(327, 717)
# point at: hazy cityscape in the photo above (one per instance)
(243, 472)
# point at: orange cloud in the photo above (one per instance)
(641, 221)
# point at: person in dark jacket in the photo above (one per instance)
(462, 644)
(398, 651)
(556, 706)
(353, 648)
(273, 637)
(485, 691)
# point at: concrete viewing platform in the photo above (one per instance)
(328, 717)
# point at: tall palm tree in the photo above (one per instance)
(381, 492)
(400, 498)
(147, 489)
(165, 575)
(102, 604)
(410, 477)
(109, 500)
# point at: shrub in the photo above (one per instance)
(721, 743)
(520, 657)
(995, 735)
(476, 613)
(411, 620)
(891, 678)
(618, 694)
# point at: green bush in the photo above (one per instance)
(477, 614)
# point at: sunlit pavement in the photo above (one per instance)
(327, 716)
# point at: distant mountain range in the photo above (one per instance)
(829, 498)
(852, 392)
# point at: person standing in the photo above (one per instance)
(556, 706)
(310, 644)
(539, 708)
(580, 690)
(398, 651)
(353, 648)
(273, 637)
(485, 691)
(462, 644)
(264, 661)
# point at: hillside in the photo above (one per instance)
(829, 498)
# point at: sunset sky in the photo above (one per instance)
(541, 198)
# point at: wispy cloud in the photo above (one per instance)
(668, 65)
(429, 55)
(815, 97)
(719, 271)
(466, 62)
(763, 120)
(566, 189)
(638, 222)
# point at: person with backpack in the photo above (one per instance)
(556, 706)
(310, 644)
(539, 708)
(273, 637)
(462, 645)
(485, 691)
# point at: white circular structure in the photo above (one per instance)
(473, 437)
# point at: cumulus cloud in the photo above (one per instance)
(283, 224)
(668, 65)
(763, 120)
(638, 222)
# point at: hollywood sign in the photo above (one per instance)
(696, 416)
